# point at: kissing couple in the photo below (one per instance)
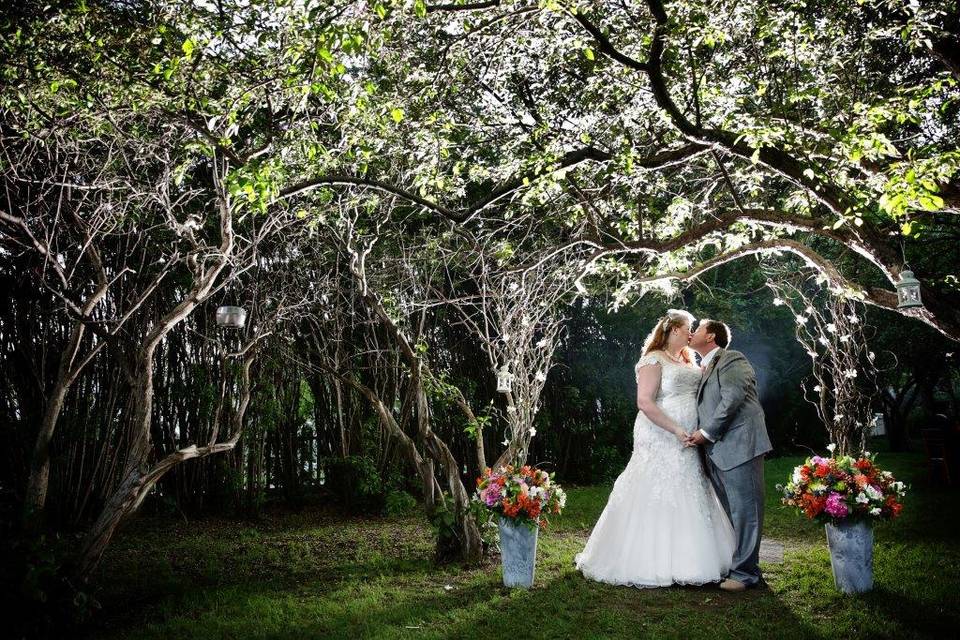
(671, 517)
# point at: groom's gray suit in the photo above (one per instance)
(729, 413)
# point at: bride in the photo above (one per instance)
(663, 523)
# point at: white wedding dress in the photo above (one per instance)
(663, 523)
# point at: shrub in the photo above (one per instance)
(355, 483)
(400, 503)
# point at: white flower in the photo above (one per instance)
(850, 373)
(844, 338)
(561, 497)
(838, 417)
(818, 388)
(506, 442)
(873, 493)
(808, 311)
(541, 343)
(853, 319)
(777, 302)
(511, 409)
(823, 341)
(812, 354)
(801, 319)
(797, 478)
(541, 376)
(532, 431)
(875, 511)
(831, 447)
(505, 337)
(871, 355)
(862, 498)
(832, 328)
(866, 454)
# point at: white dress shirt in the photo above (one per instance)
(705, 360)
(704, 363)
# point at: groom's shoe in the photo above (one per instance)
(733, 585)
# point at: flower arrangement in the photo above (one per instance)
(526, 494)
(842, 488)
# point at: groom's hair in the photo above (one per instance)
(720, 331)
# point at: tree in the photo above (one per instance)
(682, 136)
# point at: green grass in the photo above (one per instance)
(321, 575)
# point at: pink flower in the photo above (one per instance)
(836, 507)
(491, 495)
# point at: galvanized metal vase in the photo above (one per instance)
(851, 555)
(518, 551)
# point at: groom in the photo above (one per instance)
(733, 431)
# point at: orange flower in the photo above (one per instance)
(812, 505)
(822, 471)
(533, 508)
(861, 480)
(894, 506)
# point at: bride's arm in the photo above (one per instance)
(648, 383)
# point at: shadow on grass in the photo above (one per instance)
(937, 619)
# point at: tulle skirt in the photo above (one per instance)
(663, 523)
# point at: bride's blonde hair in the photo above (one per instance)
(657, 339)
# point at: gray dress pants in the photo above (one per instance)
(741, 493)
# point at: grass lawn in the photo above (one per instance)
(318, 574)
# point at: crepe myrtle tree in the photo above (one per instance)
(678, 136)
(829, 326)
(516, 314)
(393, 298)
(83, 253)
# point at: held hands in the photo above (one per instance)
(694, 439)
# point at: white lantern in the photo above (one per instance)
(908, 291)
(878, 426)
(504, 380)
(230, 317)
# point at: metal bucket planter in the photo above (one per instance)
(851, 555)
(518, 551)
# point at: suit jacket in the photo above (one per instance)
(729, 411)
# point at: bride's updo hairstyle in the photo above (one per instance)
(657, 339)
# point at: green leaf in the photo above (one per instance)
(420, 8)
(588, 52)
(188, 47)
(906, 228)
(397, 114)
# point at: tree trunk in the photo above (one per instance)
(138, 479)
(37, 483)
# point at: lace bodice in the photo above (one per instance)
(676, 380)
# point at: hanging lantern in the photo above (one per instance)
(878, 426)
(504, 380)
(908, 291)
(230, 317)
